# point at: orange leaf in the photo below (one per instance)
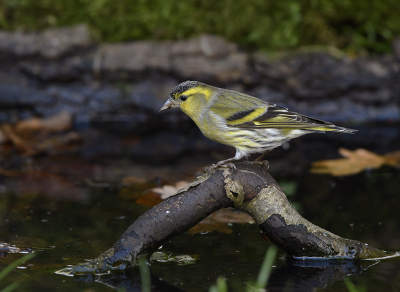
(354, 162)
(217, 221)
(149, 199)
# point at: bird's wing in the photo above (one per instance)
(278, 117)
(255, 113)
(245, 111)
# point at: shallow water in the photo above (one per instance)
(68, 218)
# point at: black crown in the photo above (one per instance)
(183, 87)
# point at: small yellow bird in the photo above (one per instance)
(247, 123)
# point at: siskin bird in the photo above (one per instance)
(249, 124)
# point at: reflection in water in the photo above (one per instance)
(293, 275)
(298, 275)
(128, 280)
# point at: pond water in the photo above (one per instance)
(67, 216)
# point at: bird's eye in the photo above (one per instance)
(184, 97)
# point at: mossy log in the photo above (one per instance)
(249, 188)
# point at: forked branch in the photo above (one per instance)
(249, 188)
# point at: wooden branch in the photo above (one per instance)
(249, 188)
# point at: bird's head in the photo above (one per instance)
(189, 96)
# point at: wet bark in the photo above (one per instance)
(249, 188)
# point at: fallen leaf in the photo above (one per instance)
(58, 141)
(31, 137)
(230, 215)
(57, 123)
(392, 159)
(218, 221)
(155, 196)
(150, 199)
(355, 162)
(29, 125)
(14, 137)
(168, 190)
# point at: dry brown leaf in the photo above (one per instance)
(30, 136)
(168, 190)
(217, 221)
(57, 123)
(354, 162)
(155, 196)
(29, 125)
(58, 141)
(149, 199)
(13, 136)
(392, 159)
(230, 215)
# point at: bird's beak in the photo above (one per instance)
(170, 103)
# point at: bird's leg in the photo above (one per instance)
(259, 160)
(261, 156)
(225, 163)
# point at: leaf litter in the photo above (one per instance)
(35, 135)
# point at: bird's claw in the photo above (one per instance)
(216, 166)
(261, 163)
(229, 165)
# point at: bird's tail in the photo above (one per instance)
(333, 128)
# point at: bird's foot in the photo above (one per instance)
(222, 165)
(229, 165)
(261, 163)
